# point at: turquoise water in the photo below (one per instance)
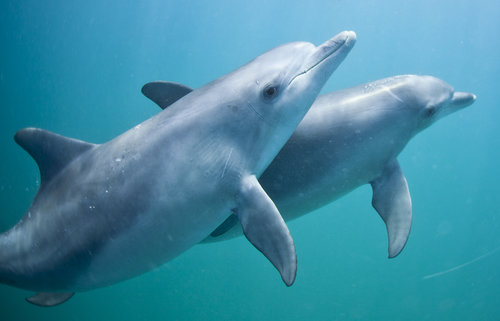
(76, 68)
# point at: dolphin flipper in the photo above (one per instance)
(165, 93)
(391, 199)
(264, 227)
(225, 226)
(49, 299)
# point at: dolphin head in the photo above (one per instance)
(278, 87)
(433, 99)
(425, 99)
(287, 79)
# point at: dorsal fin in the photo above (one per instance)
(51, 151)
(165, 93)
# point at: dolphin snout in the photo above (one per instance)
(329, 54)
(337, 48)
(463, 99)
(345, 38)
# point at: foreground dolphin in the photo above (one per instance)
(347, 139)
(105, 213)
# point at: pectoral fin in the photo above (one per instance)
(228, 224)
(49, 299)
(264, 227)
(391, 199)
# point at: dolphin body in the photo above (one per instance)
(106, 213)
(349, 138)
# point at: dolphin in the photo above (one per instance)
(349, 138)
(106, 213)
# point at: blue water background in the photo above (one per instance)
(76, 68)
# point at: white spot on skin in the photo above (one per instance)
(388, 90)
(118, 159)
(225, 165)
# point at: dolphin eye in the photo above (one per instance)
(270, 92)
(430, 111)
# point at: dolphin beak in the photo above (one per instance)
(330, 54)
(462, 99)
(338, 46)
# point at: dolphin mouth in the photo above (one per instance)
(462, 99)
(338, 46)
(331, 46)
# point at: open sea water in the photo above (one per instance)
(77, 67)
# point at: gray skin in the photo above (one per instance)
(106, 213)
(352, 137)
(349, 138)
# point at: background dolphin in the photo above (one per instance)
(349, 138)
(105, 213)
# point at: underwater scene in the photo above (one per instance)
(388, 187)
